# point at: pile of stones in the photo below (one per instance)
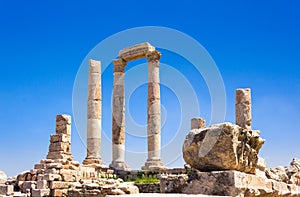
(60, 175)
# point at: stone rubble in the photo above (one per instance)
(289, 174)
(60, 175)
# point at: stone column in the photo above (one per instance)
(243, 108)
(94, 114)
(118, 117)
(153, 112)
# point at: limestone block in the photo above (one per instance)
(68, 175)
(116, 191)
(42, 184)
(40, 192)
(197, 123)
(60, 146)
(52, 171)
(60, 138)
(6, 189)
(220, 183)
(63, 129)
(54, 165)
(63, 119)
(280, 188)
(28, 185)
(222, 147)
(59, 185)
(59, 155)
(128, 188)
(3, 177)
(52, 177)
(59, 192)
(39, 166)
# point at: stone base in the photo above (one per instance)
(153, 165)
(119, 166)
(226, 183)
(92, 160)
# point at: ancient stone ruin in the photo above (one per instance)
(144, 50)
(221, 159)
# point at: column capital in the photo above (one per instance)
(119, 65)
(153, 56)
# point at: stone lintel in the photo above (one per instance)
(136, 51)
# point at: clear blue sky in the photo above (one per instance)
(42, 44)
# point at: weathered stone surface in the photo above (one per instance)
(289, 174)
(129, 188)
(197, 123)
(6, 189)
(94, 114)
(42, 184)
(224, 183)
(59, 185)
(243, 111)
(59, 155)
(52, 177)
(222, 147)
(60, 138)
(60, 146)
(27, 185)
(63, 119)
(40, 192)
(136, 51)
(153, 113)
(3, 177)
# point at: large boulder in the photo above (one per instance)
(3, 177)
(222, 147)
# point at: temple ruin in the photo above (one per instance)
(221, 159)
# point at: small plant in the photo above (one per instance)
(190, 172)
(146, 180)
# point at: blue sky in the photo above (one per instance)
(43, 43)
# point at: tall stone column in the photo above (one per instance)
(153, 112)
(94, 114)
(243, 108)
(118, 117)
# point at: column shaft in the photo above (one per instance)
(94, 114)
(118, 117)
(153, 112)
